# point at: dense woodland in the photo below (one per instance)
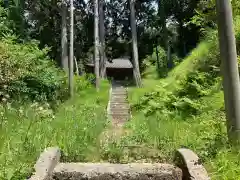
(181, 102)
(156, 23)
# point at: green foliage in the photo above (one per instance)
(156, 138)
(186, 109)
(74, 127)
(205, 17)
(5, 23)
(159, 63)
(192, 79)
(226, 164)
(27, 72)
(161, 54)
(236, 7)
(184, 100)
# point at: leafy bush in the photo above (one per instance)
(5, 23)
(27, 72)
(160, 64)
(184, 99)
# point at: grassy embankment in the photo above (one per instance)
(185, 109)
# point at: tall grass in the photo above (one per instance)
(75, 128)
(156, 136)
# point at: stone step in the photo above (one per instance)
(119, 95)
(119, 101)
(104, 171)
(119, 92)
(119, 89)
(118, 98)
(122, 108)
(116, 103)
(117, 114)
(119, 105)
(120, 116)
(119, 109)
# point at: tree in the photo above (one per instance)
(43, 23)
(136, 70)
(162, 13)
(71, 50)
(102, 39)
(64, 51)
(16, 15)
(96, 42)
(231, 84)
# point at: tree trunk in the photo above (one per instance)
(76, 65)
(22, 25)
(162, 15)
(64, 58)
(231, 84)
(136, 70)
(6, 4)
(157, 63)
(181, 44)
(102, 40)
(71, 51)
(169, 56)
(96, 43)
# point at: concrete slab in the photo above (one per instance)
(108, 171)
(46, 163)
(191, 165)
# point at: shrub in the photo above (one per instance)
(5, 23)
(161, 64)
(28, 73)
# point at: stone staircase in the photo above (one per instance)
(118, 106)
(187, 165)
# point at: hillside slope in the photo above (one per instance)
(185, 109)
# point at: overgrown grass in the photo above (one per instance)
(75, 128)
(185, 109)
